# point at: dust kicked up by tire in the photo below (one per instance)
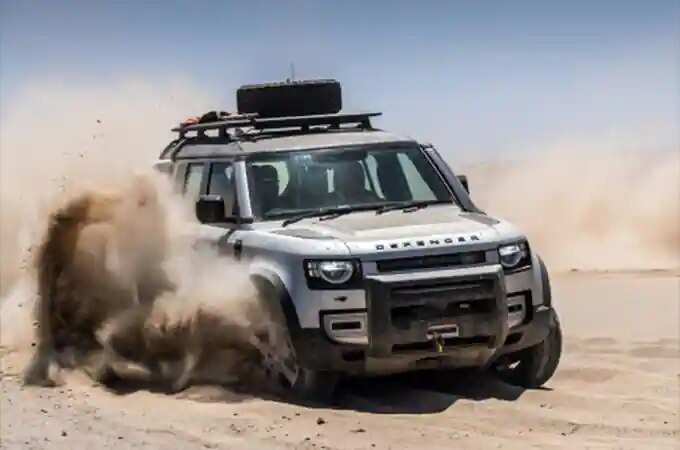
(120, 295)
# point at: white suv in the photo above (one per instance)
(366, 246)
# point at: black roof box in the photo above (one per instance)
(290, 98)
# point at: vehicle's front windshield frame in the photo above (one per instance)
(286, 154)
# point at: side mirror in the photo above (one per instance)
(464, 181)
(210, 209)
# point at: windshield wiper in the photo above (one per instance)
(331, 212)
(408, 206)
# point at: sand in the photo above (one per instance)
(617, 387)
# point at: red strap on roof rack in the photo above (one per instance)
(210, 116)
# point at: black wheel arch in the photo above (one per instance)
(312, 347)
(274, 294)
(545, 282)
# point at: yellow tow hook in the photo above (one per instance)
(438, 342)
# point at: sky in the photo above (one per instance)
(473, 77)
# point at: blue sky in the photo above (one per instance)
(478, 76)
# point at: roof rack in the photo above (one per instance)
(264, 123)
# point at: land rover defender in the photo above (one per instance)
(365, 243)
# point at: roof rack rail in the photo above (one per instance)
(264, 123)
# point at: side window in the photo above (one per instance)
(221, 183)
(192, 180)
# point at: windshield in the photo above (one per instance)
(287, 184)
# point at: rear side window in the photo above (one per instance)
(221, 183)
(192, 180)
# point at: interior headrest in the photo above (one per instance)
(266, 174)
(351, 171)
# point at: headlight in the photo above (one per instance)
(331, 274)
(514, 256)
(334, 272)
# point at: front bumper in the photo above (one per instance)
(414, 321)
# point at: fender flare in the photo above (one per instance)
(545, 282)
(273, 293)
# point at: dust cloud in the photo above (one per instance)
(57, 139)
(590, 207)
(122, 295)
(95, 270)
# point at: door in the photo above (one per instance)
(215, 178)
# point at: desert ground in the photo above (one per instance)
(616, 387)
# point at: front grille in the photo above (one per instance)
(445, 290)
(432, 261)
(406, 314)
(436, 299)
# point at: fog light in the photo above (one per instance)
(349, 328)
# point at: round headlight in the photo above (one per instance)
(335, 272)
(512, 255)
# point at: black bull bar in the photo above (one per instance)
(436, 311)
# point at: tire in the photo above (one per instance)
(533, 367)
(279, 354)
(292, 98)
(305, 383)
(315, 385)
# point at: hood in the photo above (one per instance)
(434, 222)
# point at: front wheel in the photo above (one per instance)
(313, 384)
(534, 366)
(281, 363)
(278, 352)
